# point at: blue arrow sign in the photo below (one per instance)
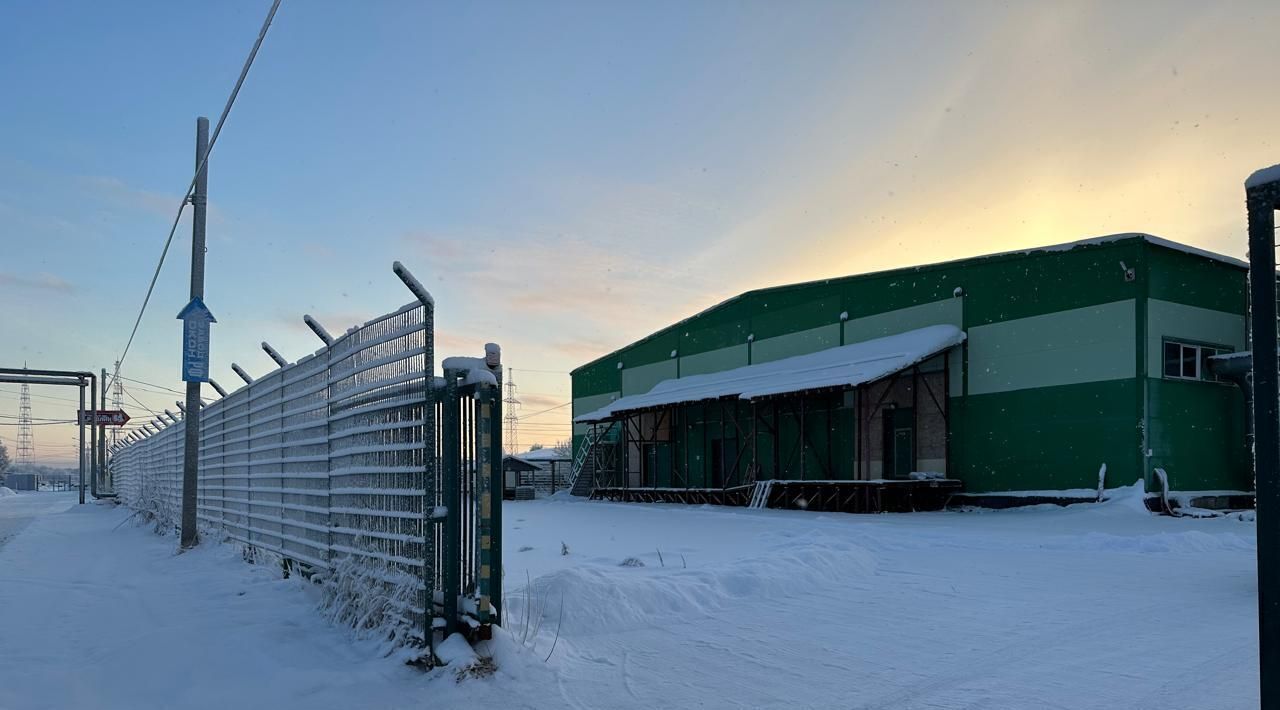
(195, 341)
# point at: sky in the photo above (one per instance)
(567, 177)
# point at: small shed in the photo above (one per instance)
(554, 469)
(20, 481)
(515, 471)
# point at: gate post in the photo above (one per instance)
(450, 468)
(1262, 196)
(489, 480)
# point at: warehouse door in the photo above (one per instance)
(899, 442)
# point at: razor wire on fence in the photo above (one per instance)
(362, 467)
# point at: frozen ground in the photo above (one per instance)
(1087, 607)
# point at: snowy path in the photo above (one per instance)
(97, 617)
(1093, 606)
(16, 512)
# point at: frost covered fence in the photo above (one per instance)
(338, 463)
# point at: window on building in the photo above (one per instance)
(1190, 361)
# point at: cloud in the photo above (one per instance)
(37, 282)
(119, 193)
(531, 404)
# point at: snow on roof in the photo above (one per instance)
(546, 453)
(1148, 238)
(520, 463)
(842, 366)
(1263, 176)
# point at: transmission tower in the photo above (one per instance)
(511, 404)
(26, 444)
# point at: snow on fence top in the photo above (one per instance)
(842, 366)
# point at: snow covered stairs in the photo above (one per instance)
(585, 481)
(584, 469)
(760, 496)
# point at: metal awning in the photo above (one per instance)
(841, 366)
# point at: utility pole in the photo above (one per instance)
(192, 376)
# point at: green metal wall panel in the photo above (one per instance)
(656, 348)
(781, 311)
(720, 327)
(798, 343)
(1090, 344)
(1176, 321)
(1194, 280)
(641, 379)
(728, 358)
(590, 403)
(1051, 438)
(1197, 434)
(600, 377)
(878, 325)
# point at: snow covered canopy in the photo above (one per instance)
(843, 366)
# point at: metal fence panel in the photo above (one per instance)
(332, 461)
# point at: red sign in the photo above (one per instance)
(104, 417)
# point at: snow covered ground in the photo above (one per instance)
(1086, 607)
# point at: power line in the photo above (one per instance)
(129, 394)
(152, 384)
(35, 419)
(11, 393)
(544, 411)
(213, 139)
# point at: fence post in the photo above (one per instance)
(430, 429)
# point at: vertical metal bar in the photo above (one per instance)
(450, 465)
(495, 513)
(102, 433)
(484, 479)
(1262, 201)
(82, 442)
(857, 431)
(946, 413)
(803, 435)
(755, 442)
(915, 418)
(93, 436)
(777, 441)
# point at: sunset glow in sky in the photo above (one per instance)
(568, 177)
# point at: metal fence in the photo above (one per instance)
(331, 462)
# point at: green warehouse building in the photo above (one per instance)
(1015, 372)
